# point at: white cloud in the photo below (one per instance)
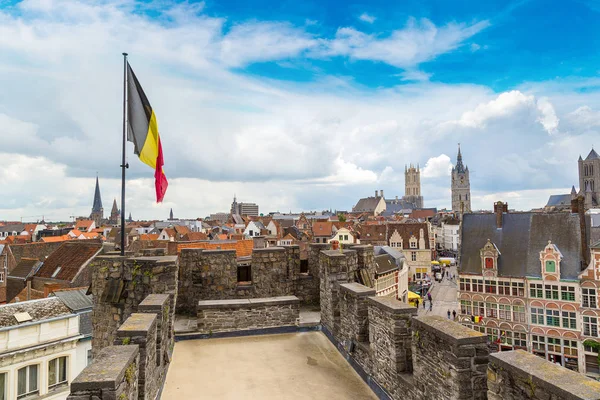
(437, 167)
(475, 47)
(418, 42)
(547, 117)
(367, 18)
(414, 75)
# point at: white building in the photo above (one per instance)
(450, 233)
(344, 236)
(40, 349)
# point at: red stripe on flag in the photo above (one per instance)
(160, 180)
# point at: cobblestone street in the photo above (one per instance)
(444, 298)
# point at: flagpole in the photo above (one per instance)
(123, 163)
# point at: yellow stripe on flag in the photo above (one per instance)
(149, 151)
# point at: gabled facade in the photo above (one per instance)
(520, 283)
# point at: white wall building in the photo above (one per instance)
(451, 236)
(40, 350)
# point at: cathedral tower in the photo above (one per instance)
(97, 211)
(461, 186)
(114, 214)
(589, 179)
(412, 186)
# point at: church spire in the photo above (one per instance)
(97, 206)
(171, 215)
(460, 168)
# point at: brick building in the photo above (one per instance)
(520, 282)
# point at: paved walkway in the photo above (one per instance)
(444, 298)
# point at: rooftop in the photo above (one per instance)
(264, 367)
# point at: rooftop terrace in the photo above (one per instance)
(283, 366)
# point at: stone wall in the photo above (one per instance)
(450, 354)
(212, 275)
(521, 375)
(335, 267)
(113, 375)
(120, 284)
(246, 314)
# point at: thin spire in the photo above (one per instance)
(460, 168)
(97, 206)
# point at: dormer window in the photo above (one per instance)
(56, 272)
(551, 266)
(489, 263)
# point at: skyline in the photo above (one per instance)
(296, 106)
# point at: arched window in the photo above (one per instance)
(585, 170)
(459, 197)
(466, 197)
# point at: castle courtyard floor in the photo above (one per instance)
(285, 366)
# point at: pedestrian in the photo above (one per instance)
(429, 296)
(448, 313)
(423, 304)
(417, 303)
(454, 314)
(430, 305)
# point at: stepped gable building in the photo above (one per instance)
(589, 179)
(412, 186)
(97, 211)
(519, 282)
(461, 186)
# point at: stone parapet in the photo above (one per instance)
(354, 312)
(450, 354)
(521, 375)
(247, 314)
(140, 329)
(112, 375)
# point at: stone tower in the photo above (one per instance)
(235, 210)
(97, 211)
(589, 179)
(114, 213)
(412, 186)
(461, 186)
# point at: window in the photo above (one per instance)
(569, 320)
(550, 266)
(492, 310)
(490, 287)
(489, 262)
(465, 307)
(504, 288)
(479, 308)
(535, 290)
(89, 357)
(518, 289)
(570, 347)
(413, 255)
(413, 244)
(551, 292)
(57, 372)
(567, 293)
(538, 343)
(519, 313)
(588, 297)
(537, 316)
(303, 266)
(552, 318)
(244, 273)
(2, 276)
(478, 285)
(590, 326)
(421, 273)
(3, 386)
(27, 381)
(504, 312)
(554, 345)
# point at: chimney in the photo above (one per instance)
(585, 251)
(50, 287)
(575, 205)
(375, 193)
(28, 290)
(396, 198)
(381, 193)
(499, 209)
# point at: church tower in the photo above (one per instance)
(97, 211)
(589, 179)
(461, 186)
(412, 186)
(114, 213)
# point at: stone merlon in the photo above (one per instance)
(107, 370)
(448, 330)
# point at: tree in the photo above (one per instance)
(341, 218)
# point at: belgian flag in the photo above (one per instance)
(143, 132)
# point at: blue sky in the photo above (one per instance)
(296, 105)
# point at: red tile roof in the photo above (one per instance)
(83, 224)
(70, 257)
(322, 228)
(243, 248)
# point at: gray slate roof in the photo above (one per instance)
(385, 263)
(559, 200)
(522, 237)
(25, 268)
(592, 156)
(39, 310)
(397, 207)
(75, 299)
(367, 204)
(12, 228)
